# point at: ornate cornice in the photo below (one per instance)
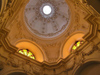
(5, 16)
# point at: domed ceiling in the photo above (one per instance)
(47, 18)
(48, 23)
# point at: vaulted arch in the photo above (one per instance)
(32, 47)
(70, 41)
(89, 68)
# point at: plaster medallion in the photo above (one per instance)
(47, 18)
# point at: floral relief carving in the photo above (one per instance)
(91, 50)
(25, 65)
(13, 62)
(79, 57)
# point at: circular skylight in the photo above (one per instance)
(47, 9)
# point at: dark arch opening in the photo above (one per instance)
(90, 68)
(17, 73)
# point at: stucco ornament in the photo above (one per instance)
(47, 18)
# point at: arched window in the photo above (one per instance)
(76, 45)
(26, 52)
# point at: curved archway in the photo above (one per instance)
(17, 73)
(70, 42)
(33, 47)
(89, 68)
(12, 71)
